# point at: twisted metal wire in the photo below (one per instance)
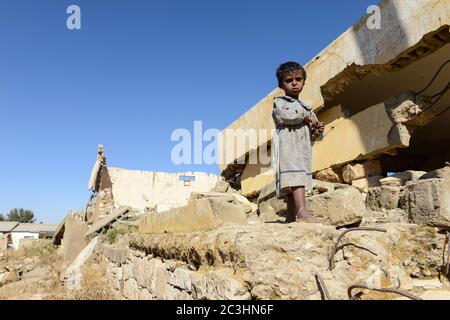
(333, 253)
(387, 290)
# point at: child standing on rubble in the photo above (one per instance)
(295, 122)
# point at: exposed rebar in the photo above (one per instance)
(322, 287)
(333, 253)
(387, 290)
(434, 77)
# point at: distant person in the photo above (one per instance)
(296, 126)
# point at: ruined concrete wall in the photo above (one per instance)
(355, 55)
(142, 189)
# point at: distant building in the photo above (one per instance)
(24, 232)
(5, 233)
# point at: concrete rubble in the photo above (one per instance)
(381, 191)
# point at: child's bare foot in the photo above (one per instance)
(304, 216)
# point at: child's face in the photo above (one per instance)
(293, 83)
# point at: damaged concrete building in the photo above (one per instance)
(383, 95)
(139, 191)
(381, 180)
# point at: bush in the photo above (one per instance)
(113, 233)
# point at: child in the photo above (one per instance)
(294, 122)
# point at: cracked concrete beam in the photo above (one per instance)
(354, 54)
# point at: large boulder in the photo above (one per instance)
(333, 203)
(428, 202)
(341, 207)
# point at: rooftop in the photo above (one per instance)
(35, 227)
(7, 226)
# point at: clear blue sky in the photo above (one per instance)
(136, 71)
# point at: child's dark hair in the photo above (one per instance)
(287, 67)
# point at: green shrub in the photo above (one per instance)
(112, 234)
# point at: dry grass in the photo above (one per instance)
(94, 286)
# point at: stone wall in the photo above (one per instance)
(274, 261)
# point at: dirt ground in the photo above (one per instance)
(36, 273)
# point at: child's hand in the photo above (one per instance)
(319, 126)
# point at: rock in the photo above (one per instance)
(364, 184)
(221, 186)
(272, 209)
(399, 179)
(197, 215)
(266, 192)
(423, 284)
(330, 175)
(409, 175)
(279, 261)
(219, 284)
(144, 294)
(115, 253)
(130, 290)
(436, 295)
(384, 197)
(181, 278)
(392, 182)
(8, 277)
(339, 208)
(428, 202)
(357, 171)
(322, 186)
(443, 173)
(384, 216)
(246, 205)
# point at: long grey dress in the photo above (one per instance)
(291, 145)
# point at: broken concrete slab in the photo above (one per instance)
(73, 272)
(400, 178)
(384, 197)
(197, 215)
(221, 186)
(235, 198)
(428, 202)
(364, 184)
(409, 175)
(357, 171)
(108, 220)
(442, 173)
(73, 238)
(228, 197)
(272, 209)
(392, 182)
(341, 207)
(330, 175)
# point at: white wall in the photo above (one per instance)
(140, 189)
(16, 236)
